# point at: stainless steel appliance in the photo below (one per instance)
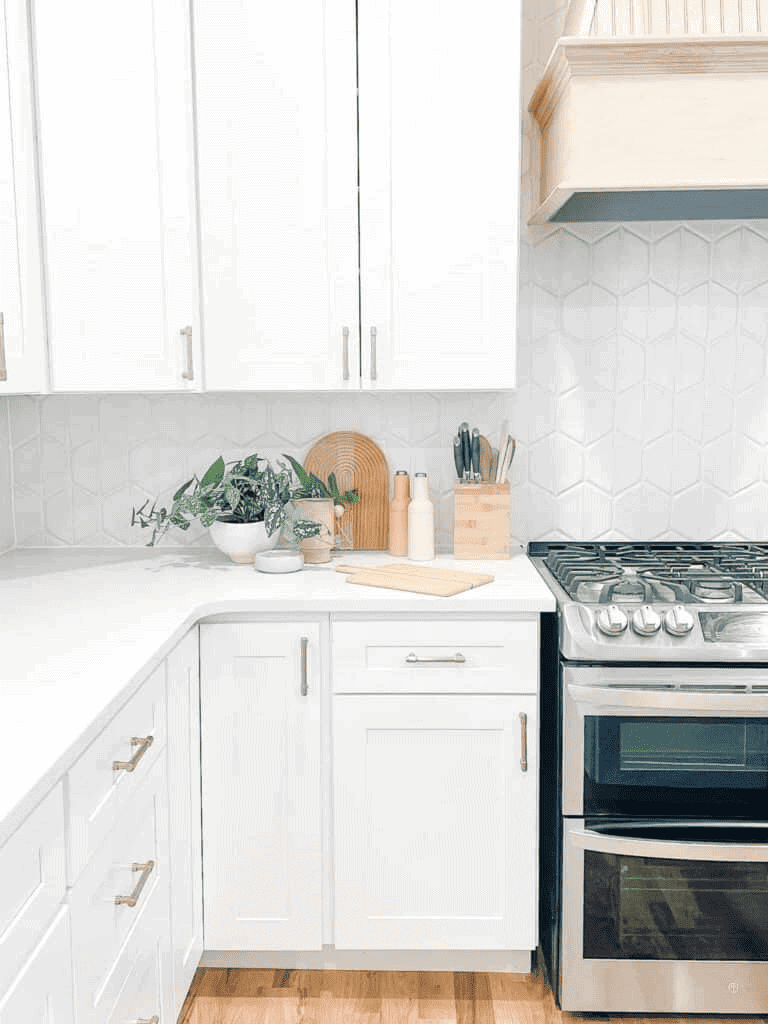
(655, 800)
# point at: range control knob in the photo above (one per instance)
(611, 620)
(678, 621)
(646, 620)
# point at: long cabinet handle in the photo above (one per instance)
(523, 741)
(154, 1019)
(189, 373)
(345, 336)
(373, 353)
(304, 678)
(3, 367)
(146, 870)
(454, 659)
(143, 743)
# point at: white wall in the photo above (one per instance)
(642, 410)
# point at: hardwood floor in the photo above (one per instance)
(221, 996)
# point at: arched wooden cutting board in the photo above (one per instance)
(359, 464)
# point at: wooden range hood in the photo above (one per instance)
(655, 110)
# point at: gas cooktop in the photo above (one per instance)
(665, 601)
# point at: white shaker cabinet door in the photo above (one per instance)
(439, 192)
(278, 193)
(262, 843)
(435, 822)
(42, 992)
(22, 324)
(186, 872)
(115, 125)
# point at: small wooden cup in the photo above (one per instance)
(481, 521)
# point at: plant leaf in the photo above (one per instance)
(214, 473)
(181, 490)
(232, 495)
(274, 514)
(305, 478)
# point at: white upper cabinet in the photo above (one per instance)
(439, 193)
(278, 201)
(116, 171)
(22, 324)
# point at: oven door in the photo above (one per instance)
(664, 917)
(665, 741)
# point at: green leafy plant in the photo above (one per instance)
(247, 490)
(311, 486)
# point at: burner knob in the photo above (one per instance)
(646, 620)
(611, 620)
(678, 621)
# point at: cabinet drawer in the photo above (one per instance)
(100, 926)
(41, 993)
(32, 882)
(98, 792)
(459, 656)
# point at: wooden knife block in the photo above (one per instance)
(481, 521)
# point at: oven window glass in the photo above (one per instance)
(685, 766)
(643, 908)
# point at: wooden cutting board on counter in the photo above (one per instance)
(360, 465)
(416, 579)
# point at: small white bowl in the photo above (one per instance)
(278, 561)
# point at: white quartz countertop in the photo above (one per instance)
(80, 629)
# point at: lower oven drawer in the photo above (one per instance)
(664, 917)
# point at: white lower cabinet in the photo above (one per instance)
(42, 991)
(186, 875)
(262, 812)
(435, 821)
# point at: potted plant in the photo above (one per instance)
(242, 503)
(322, 502)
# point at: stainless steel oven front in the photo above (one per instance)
(664, 917)
(665, 741)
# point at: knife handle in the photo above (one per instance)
(476, 454)
(458, 457)
(466, 448)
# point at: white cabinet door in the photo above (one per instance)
(22, 324)
(115, 127)
(435, 822)
(186, 874)
(42, 992)
(262, 843)
(278, 174)
(439, 191)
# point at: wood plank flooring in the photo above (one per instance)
(221, 996)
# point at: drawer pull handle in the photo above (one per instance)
(454, 659)
(523, 741)
(304, 677)
(149, 1020)
(146, 870)
(189, 373)
(143, 743)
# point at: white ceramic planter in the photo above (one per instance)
(241, 541)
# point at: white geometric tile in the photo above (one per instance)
(630, 363)
(642, 512)
(740, 259)
(750, 361)
(749, 512)
(560, 262)
(589, 313)
(620, 261)
(584, 512)
(26, 466)
(680, 261)
(648, 312)
(645, 411)
(24, 417)
(751, 413)
(672, 463)
(709, 311)
(700, 512)
(753, 314)
(585, 415)
(613, 463)
(556, 463)
(690, 361)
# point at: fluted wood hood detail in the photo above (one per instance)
(655, 110)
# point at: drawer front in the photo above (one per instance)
(101, 926)
(32, 882)
(99, 792)
(135, 988)
(449, 656)
(41, 993)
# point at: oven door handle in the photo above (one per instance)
(601, 700)
(603, 842)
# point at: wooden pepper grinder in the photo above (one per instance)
(398, 515)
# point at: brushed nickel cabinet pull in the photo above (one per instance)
(523, 741)
(146, 870)
(345, 336)
(3, 367)
(189, 373)
(143, 743)
(455, 659)
(304, 680)
(373, 353)
(154, 1019)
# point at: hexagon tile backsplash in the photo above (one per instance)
(641, 412)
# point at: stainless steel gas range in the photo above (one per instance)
(654, 807)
